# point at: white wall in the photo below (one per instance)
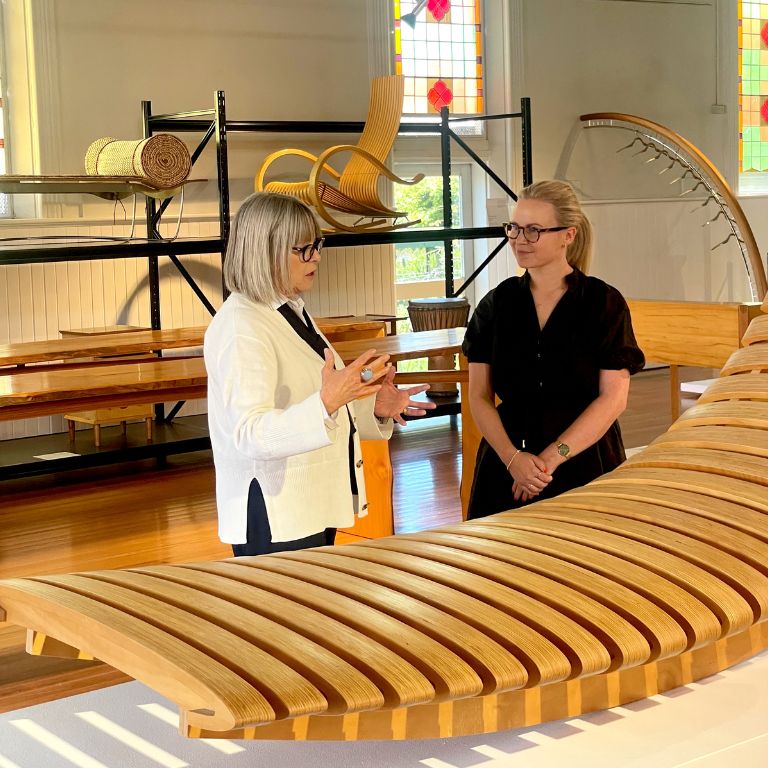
(297, 60)
(663, 61)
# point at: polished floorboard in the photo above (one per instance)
(135, 514)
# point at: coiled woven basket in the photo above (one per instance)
(162, 161)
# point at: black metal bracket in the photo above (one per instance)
(446, 134)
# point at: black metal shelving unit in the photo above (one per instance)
(213, 124)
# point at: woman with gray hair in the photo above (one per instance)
(286, 416)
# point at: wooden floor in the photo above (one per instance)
(134, 514)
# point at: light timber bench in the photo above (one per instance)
(650, 577)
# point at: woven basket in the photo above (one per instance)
(162, 160)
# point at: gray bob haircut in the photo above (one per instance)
(263, 232)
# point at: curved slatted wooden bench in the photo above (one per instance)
(647, 578)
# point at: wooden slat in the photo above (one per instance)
(757, 331)
(752, 359)
(725, 413)
(753, 442)
(288, 692)
(747, 386)
(700, 505)
(736, 490)
(340, 686)
(740, 466)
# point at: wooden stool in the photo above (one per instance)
(119, 415)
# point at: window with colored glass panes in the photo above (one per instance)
(753, 88)
(440, 56)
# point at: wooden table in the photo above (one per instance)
(102, 345)
(352, 322)
(112, 344)
(44, 390)
(99, 330)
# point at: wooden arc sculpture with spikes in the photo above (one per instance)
(355, 189)
(692, 161)
(648, 578)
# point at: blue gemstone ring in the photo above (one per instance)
(366, 374)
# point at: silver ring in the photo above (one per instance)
(366, 374)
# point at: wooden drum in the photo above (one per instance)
(430, 315)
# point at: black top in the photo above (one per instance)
(546, 377)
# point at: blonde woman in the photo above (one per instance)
(285, 416)
(557, 348)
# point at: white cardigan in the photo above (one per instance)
(267, 421)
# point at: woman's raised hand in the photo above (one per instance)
(395, 403)
(345, 385)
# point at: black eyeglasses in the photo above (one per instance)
(531, 233)
(306, 252)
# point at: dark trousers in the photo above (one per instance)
(259, 536)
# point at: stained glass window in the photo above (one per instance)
(440, 56)
(753, 87)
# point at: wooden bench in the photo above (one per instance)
(697, 333)
(649, 578)
(106, 416)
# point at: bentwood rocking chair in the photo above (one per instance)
(354, 190)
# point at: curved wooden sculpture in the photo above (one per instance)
(648, 578)
(696, 164)
(356, 188)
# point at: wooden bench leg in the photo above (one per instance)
(123, 426)
(71, 430)
(150, 428)
(674, 390)
(97, 435)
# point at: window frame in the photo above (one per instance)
(749, 183)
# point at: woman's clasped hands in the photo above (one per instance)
(529, 475)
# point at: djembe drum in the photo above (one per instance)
(430, 315)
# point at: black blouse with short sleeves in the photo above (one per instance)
(545, 378)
